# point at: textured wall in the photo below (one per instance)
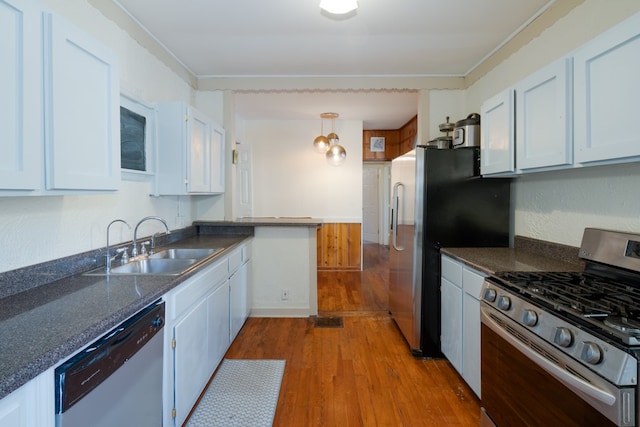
(558, 206)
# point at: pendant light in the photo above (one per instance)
(336, 154)
(321, 143)
(329, 145)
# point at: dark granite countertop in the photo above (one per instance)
(43, 325)
(266, 221)
(526, 255)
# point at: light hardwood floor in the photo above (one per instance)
(361, 374)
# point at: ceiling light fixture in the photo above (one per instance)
(321, 143)
(330, 144)
(338, 7)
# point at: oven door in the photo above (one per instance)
(527, 382)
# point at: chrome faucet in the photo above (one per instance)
(108, 258)
(134, 250)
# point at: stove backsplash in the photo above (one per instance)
(549, 249)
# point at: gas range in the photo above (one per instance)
(611, 308)
(581, 328)
(592, 316)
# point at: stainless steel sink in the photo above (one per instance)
(184, 253)
(168, 262)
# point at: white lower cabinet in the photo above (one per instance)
(472, 286)
(460, 331)
(32, 405)
(218, 309)
(204, 315)
(451, 330)
(238, 288)
(191, 366)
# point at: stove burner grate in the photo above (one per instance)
(585, 296)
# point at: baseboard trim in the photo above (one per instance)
(281, 312)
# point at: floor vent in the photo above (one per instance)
(328, 322)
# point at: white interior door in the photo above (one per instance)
(244, 195)
(370, 203)
(375, 203)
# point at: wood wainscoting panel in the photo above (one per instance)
(340, 246)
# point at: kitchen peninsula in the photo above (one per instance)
(284, 263)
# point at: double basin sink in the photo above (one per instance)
(168, 262)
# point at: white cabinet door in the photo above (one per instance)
(218, 319)
(451, 329)
(199, 147)
(190, 152)
(472, 281)
(21, 101)
(217, 158)
(14, 408)
(190, 360)
(238, 282)
(606, 90)
(82, 110)
(471, 342)
(544, 118)
(31, 405)
(497, 142)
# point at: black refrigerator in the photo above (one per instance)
(438, 200)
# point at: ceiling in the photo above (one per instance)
(294, 38)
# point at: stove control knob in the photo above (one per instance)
(530, 317)
(504, 303)
(489, 295)
(563, 337)
(591, 353)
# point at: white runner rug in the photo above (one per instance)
(243, 393)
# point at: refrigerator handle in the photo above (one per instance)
(395, 213)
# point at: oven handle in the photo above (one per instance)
(559, 373)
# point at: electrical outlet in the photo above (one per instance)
(284, 294)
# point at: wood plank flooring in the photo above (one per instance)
(361, 374)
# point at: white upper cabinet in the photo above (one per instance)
(529, 127)
(59, 109)
(544, 118)
(21, 100)
(82, 110)
(190, 152)
(198, 145)
(607, 93)
(497, 134)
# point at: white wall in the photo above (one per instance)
(291, 179)
(38, 229)
(558, 206)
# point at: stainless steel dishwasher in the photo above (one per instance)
(117, 380)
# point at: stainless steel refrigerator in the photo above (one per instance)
(439, 200)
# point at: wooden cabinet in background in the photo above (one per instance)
(391, 145)
(397, 142)
(339, 246)
(408, 134)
